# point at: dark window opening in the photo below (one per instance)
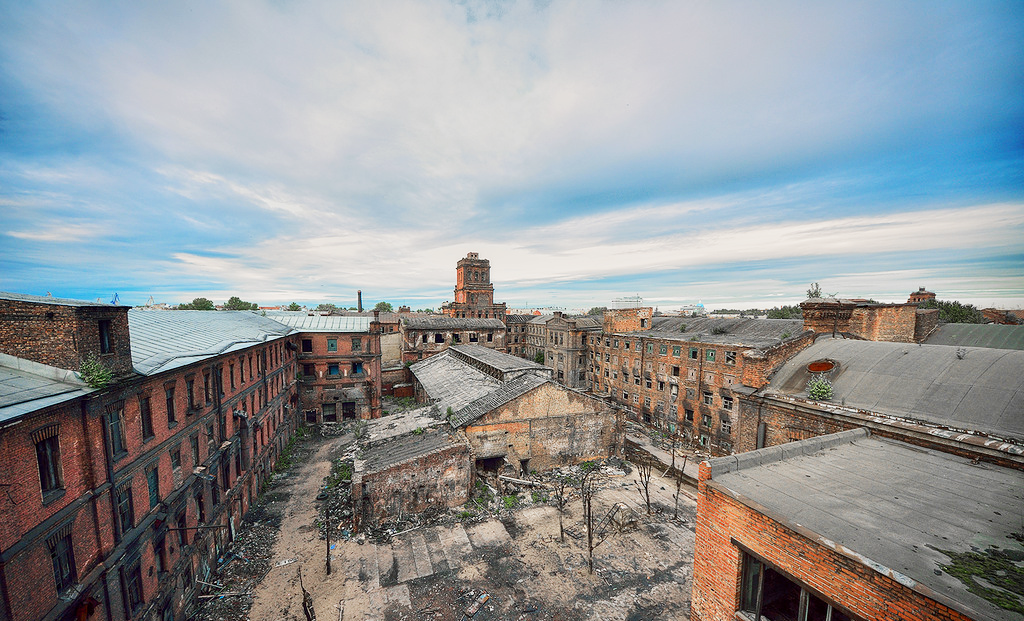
(105, 343)
(169, 396)
(153, 482)
(490, 464)
(146, 417)
(439, 338)
(133, 588)
(48, 457)
(125, 508)
(115, 421)
(357, 344)
(307, 346)
(330, 412)
(63, 556)
(357, 368)
(348, 410)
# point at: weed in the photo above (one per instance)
(95, 373)
(819, 388)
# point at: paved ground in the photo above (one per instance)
(435, 572)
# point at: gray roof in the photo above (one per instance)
(27, 386)
(890, 506)
(403, 448)
(540, 319)
(509, 319)
(977, 389)
(451, 382)
(978, 335)
(304, 322)
(500, 362)
(506, 392)
(741, 331)
(439, 322)
(45, 299)
(163, 340)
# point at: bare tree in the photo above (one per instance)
(679, 485)
(561, 489)
(589, 473)
(644, 470)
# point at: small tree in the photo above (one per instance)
(539, 357)
(294, 307)
(197, 304)
(384, 307)
(95, 373)
(561, 486)
(814, 291)
(597, 310)
(330, 308)
(236, 303)
(819, 388)
(644, 471)
(588, 474)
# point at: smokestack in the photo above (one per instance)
(359, 300)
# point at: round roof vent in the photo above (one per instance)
(821, 366)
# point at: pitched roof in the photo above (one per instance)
(451, 382)
(978, 389)
(978, 335)
(27, 386)
(496, 362)
(439, 322)
(742, 331)
(163, 340)
(506, 392)
(400, 448)
(45, 299)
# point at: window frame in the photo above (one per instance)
(332, 345)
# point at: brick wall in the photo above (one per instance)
(62, 336)
(844, 581)
(759, 364)
(927, 321)
(550, 426)
(627, 319)
(441, 479)
(874, 322)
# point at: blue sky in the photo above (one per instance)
(725, 152)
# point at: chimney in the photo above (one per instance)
(359, 300)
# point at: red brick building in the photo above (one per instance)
(105, 489)
(339, 365)
(426, 335)
(474, 292)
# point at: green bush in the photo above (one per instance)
(95, 374)
(819, 388)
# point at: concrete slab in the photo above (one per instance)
(420, 555)
(488, 534)
(406, 561)
(455, 544)
(398, 594)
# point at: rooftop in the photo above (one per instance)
(46, 299)
(305, 322)
(740, 331)
(441, 322)
(451, 382)
(164, 340)
(27, 386)
(401, 448)
(978, 389)
(496, 361)
(889, 505)
(978, 335)
(506, 392)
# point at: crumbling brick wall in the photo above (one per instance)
(441, 479)
(627, 319)
(549, 426)
(717, 565)
(873, 322)
(759, 364)
(927, 321)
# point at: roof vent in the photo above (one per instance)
(821, 366)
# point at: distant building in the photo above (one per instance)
(561, 342)
(474, 293)
(425, 336)
(920, 296)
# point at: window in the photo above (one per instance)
(176, 459)
(153, 481)
(617, 343)
(132, 587)
(726, 426)
(357, 344)
(780, 598)
(115, 423)
(182, 529)
(694, 353)
(704, 440)
(709, 355)
(207, 395)
(357, 368)
(689, 415)
(47, 442)
(490, 337)
(308, 370)
(241, 370)
(332, 370)
(650, 348)
(439, 338)
(160, 555)
(727, 403)
(169, 397)
(473, 338)
(643, 323)
(125, 506)
(705, 419)
(105, 341)
(675, 371)
(676, 350)
(63, 556)
(626, 344)
(709, 398)
(456, 337)
(625, 396)
(200, 507)
(232, 374)
(307, 348)
(663, 349)
(730, 357)
(146, 417)
(190, 394)
(194, 445)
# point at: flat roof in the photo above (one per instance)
(740, 331)
(978, 335)
(47, 299)
(164, 340)
(306, 322)
(891, 505)
(441, 322)
(976, 388)
(27, 386)
(499, 361)
(398, 449)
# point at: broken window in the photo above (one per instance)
(705, 419)
(694, 353)
(307, 347)
(675, 371)
(689, 415)
(709, 398)
(727, 403)
(330, 411)
(490, 337)
(709, 355)
(473, 338)
(357, 368)
(357, 344)
(456, 338)
(439, 338)
(766, 593)
(730, 357)
(726, 425)
(308, 370)
(105, 346)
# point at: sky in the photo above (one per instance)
(729, 153)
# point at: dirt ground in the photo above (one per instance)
(436, 571)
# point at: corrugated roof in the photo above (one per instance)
(975, 388)
(304, 322)
(452, 323)
(163, 340)
(540, 319)
(978, 335)
(402, 448)
(27, 386)
(506, 392)
(451, 382)
(45, 299)
(500, 362)
(895, 505)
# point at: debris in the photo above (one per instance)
(475, 606)
(287, 561)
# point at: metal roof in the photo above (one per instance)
(305, 322)
(451, 382)
(402, 448)
(27, 386)
(890, 505)
(979, 389)
(506, 392)
(45, 299)
(978, 335)
(500, 362)
(164, 340)
(452, 323)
